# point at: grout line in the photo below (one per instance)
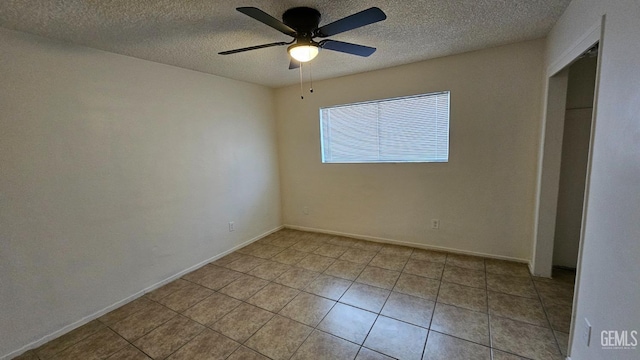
(546, 314)
(435, 303)
(486, 285)
(304, 290)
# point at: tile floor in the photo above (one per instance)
(299, 295)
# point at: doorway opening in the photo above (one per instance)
(574, 159)
(563, 182)
(557, 294)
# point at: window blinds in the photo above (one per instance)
(407, 129)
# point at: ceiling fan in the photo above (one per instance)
(301, 23)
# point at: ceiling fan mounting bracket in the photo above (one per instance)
(302, 19)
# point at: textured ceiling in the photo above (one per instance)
(190, 33)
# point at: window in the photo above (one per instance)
(406, 129)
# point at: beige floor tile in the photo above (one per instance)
(330, 250)
(143, 321)
(345, 269)
(297, 278)
(462, 276)
(397, 250)
(242, 322)
(559, 316)
(444, 347)
(407, 308)
(129, 352)
(367, 245)
(98, 345)
(397, 339)
(512, 285)
(261, 250)
(474, 295)
(212, 309)
(29, 355)
(462, 323)
(165, 290)
(328, 286)
(279, 338)
(186, 297)
(424, 268)
(368, 354)
(342, 241)
(348, 322)
(523, 339)
(245, 264)
(554, 287)
(269, 238)
(358, 256)
(285, 241)
(169, 337)
(466, 261)
(228, 259)
(558, 275)
(55, 346)
(290, 257)
(417, 286)
(429, 255)
(388, 261)
(563, 341)
(217, 278)
(503, 267)
(307, 308)
(555, 292)
(244, 287)
(317, 263)
(248, 249)
(307, 246)
(320, 237)
(269, 270)
(517, 308)
(244, 353)
(326, 346)
(463, 296)
(273, 297)
(501, 355)
(208, 345)
(379, 277)
(267, 251)
(365, 297)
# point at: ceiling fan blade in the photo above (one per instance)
(235, 51)
(345, 47)
(267, 19)
(364, 17)
(294, 64)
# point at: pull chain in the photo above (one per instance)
(301, 91)
(310, 79)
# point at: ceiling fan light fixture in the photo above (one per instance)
(303, 52)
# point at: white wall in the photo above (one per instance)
(607, 292)
(117, 173)
(575, 156)
(484, 195)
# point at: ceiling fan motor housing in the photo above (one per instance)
(303, 20)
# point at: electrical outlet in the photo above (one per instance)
(305, 210)
(435, 224)
(586, 332)
(232, 226)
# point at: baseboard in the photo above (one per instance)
(406, 243)
(128, 299)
